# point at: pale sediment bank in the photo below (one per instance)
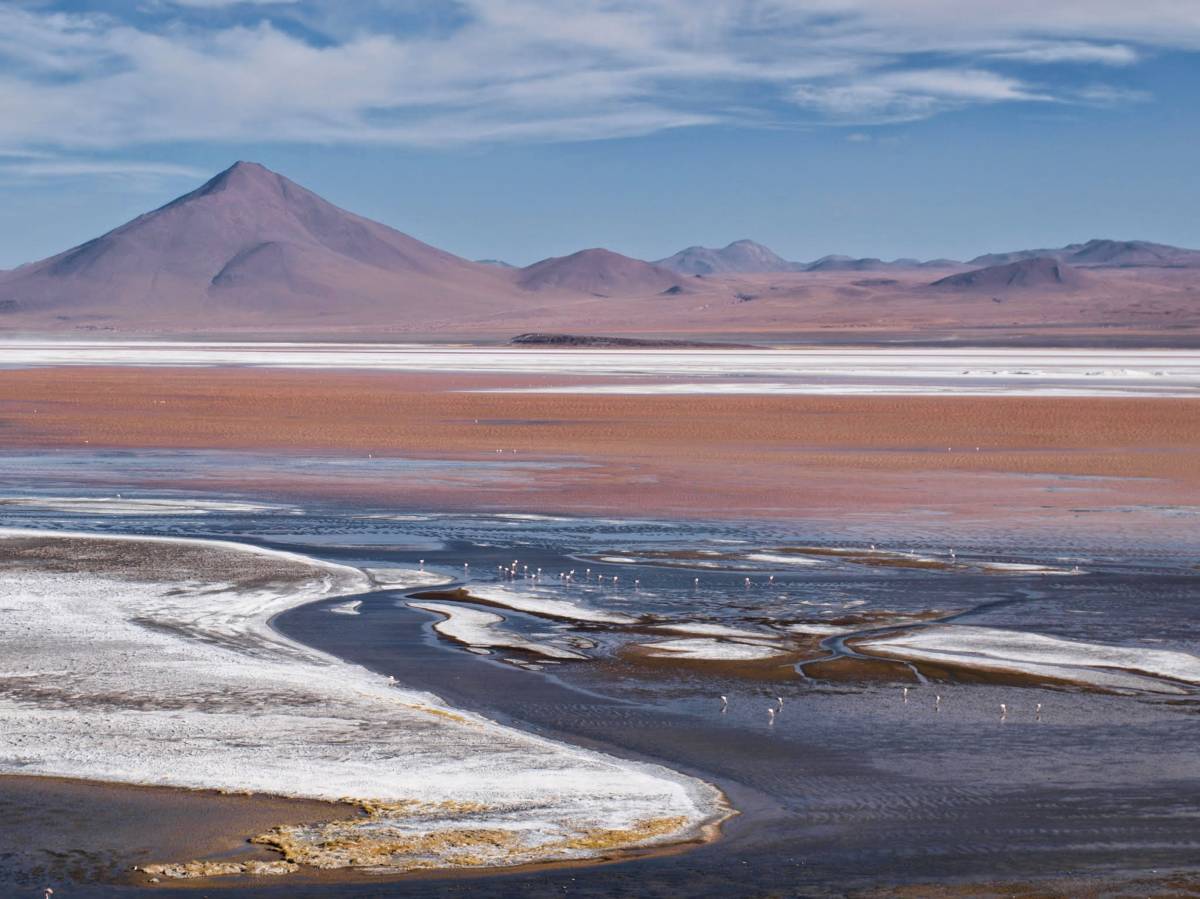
(481, 630)
(1102, 667)
(151, 661)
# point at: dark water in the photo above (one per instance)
(851, 787)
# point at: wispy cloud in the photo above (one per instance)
(25, 167)
(433, 74)
(913, 94)
(1051, 53)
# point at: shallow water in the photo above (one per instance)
(851, 786)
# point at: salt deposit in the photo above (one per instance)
(481, 630)
(834, 371)
(994, 649)
(535, 602)
(122, 505)
(710, 650)
(151, 661)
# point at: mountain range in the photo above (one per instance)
(1096, 252)
(250, 250)
(746, 256)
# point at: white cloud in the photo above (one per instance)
(222, 4)
(1071, 52)
(22, 168)
(908, 95)
(65, 168)
(538, 70)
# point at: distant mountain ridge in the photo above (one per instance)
(747, 257)
(1103, 252)
(250, 251)
(741, 256)
(598, 272)
(1038, 273)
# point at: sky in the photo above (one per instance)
(521, 129)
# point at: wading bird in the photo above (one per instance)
(724, 703)
(906, 695)
(770, 715)
(1003, 711)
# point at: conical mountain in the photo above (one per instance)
(247, 245)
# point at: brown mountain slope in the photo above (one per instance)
(1039, 273)
(250, 244)
(598, 272)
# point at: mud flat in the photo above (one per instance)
(151, 661)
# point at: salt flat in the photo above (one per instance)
(817, 371)
(151, 661)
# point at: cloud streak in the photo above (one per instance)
(544, 70)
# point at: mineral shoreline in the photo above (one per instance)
(151, 661)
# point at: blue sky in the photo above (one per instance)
(519, 129)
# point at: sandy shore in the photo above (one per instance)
(150, 661)
(978, 459)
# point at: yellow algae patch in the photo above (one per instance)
(446, 806)
(442, 713)
(386, 837)
(196, 869)
(623, 838)
(412, 836)
(337, 845)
